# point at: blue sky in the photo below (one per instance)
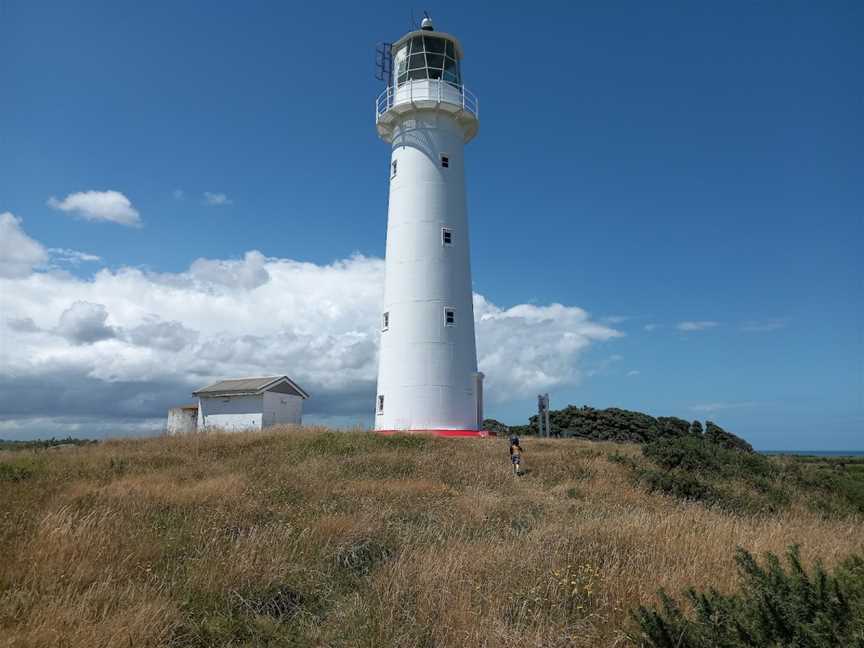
(690, 174)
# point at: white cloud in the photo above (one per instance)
(110, 206)
(116, 349)
(247, 274)
(717, 407)
(19, 253)
(85, 323)
(216, 199)
(72, 257)
(696, 326)
(178, 194)
(527, 347)
(633, 372)
(651, 327)
(158, 334)
(764, 326)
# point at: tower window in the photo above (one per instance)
(445, 161)
(449, 317)
(385, 321)
(446, 236)
(380, 403)
(393, 170)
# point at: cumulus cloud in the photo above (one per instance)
(119, 347)
(22, 325)
(216, 199)
(633, 372)
(85, 323)
(158, 334)
(702, 325)
(248, 274)
(19, 253)
(110, 206)
(527, 347)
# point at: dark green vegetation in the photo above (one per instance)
(705, 469)
(773, 607)
(43, 444)
(621, 426)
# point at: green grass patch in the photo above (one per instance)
(21, 468)
(246, 617)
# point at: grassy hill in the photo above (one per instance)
(322, 539)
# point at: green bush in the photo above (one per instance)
(775, 607)
(20, 468)
(677, 484)
(697, 469)
(718, 436)
(695, 454)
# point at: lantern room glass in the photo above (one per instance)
(426, 57)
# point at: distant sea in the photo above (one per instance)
(817, 453)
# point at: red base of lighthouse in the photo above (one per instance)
(442, 433)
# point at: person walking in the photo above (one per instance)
(515, 454)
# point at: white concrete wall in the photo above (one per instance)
(181, 421)
(282, 409)
(426, 369)
(232, 413)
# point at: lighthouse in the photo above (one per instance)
(427, 369)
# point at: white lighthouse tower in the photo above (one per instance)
(427, 372)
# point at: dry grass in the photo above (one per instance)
(313, 539)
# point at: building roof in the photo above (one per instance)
(248, 386)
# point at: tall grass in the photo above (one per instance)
(313, 538)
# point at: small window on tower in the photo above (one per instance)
(393, 170)
(381, 404)
(446, 236)
(449, 316)
(445, 161)
(385, 321)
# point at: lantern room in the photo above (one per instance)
(426, 75)
(425, 54)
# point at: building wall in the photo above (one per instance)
(282, 409)
(426, 370)
(232, 413)
(182, 420)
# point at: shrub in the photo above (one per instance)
(774, 607)
(686, 454)
(718, 436)
(677, 484)
(19, 469)
(499, 428)
(695, 454)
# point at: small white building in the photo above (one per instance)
(250, 403)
